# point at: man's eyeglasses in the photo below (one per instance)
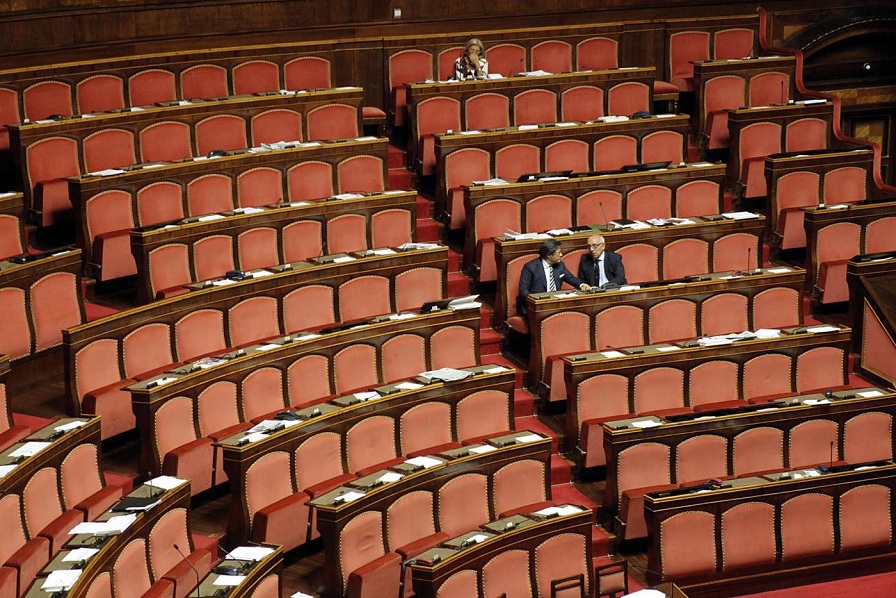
(595, 245)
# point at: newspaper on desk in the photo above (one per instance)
(446, 374)
(468, 302)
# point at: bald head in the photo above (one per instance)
(596, 245)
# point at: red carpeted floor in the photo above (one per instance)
(882, 585)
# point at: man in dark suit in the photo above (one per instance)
(601, 267)
(534, 277)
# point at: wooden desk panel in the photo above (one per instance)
(510, 254)
(574, 188)
(872, 297)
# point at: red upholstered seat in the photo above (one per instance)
(795, 191)
(150, 86)
(507, 59)
(360, 174)
(483, 414)
(278, 513)
(820, 368)
(462, 168)
(866, 437)
(806, 134)
(649, 201)
(411, 528)
(10, 236)
(17, 340)
(255, 76)
(614, 152)
(301, 240)
(752, 520)
(310, 180)
(769, 88)
(179, 449)
(262, 394)
(307, 72)
(319, 465)
(253, 319)
(846, 184)
(568, 154)
(332, 121)
(662, 146)
(724, 313)
(619, 326)
(535, 106)
(671, 320)
(131, 577)
(48, 163)
(701, 457)
(597, 53)
(434, 115)
(165, 141)
(757, 141)
(99, 93)
(82, 484)
(204, 81)
(169, 270)
(598, 207)
(108, 148)
(390, 228)
(758, 449)
(520, 487)
(515, 321)
(355, 367)
(101, 586)
(776, 308)
(459, 585)
(698, 198)
(404, 356)
(212, 257)
(416, 286)
(25, 557)
(370, 445)
(561, 334)
(363, 297)
(56, 305)
(768, 374)
(446, 61)
(269, 587)
(453, 347)
(641, 262)
(552, 56)
(165, 562)
(258, 187)
(98, 386)
(547, 212)
(218, 416)
(807, 526)
(110, 218)
(658, 389)
(736, 42)
(366, 568)
(258, 248)
(736, 251)
(47, 98)
(720, 94)
(711, 382)
(582, 103)
(426, 429)
(686, 47)
(864, 517)
(835, 244)
(685, 257)
(43, 511)
(628, 98)
(517, 159)
(10, 433)
(493, 218)
(486, 111)
(880, 235)
(308, 307)
(221, 132)
(508, 573)
(813, 442)
(688, 544)
(559, 558)
(275, 125)
(463, 504)
(159, 202)
(406, 66)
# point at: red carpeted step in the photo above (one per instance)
(530, 422)
(454, 260)
(32, 422)
(485, 316)
(125, 482)
(395, 157)
(489, 342)
(692, 153)
(95, 311)
(601, 541)
(568, 493)
(400, 178)
(561, 470)
(424, 208)
(428, 231)
(458, 284)
(207, 543)
(498, 359)
(523, 402)
(727, 202)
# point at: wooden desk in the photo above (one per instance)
(541, 137)
(77, 128)
(872, 297)
(332, 516)
(231, 224)
(697, 289)
(830, 559)
(511, 255)
(513, 86)
(254, 572)
(574, 189)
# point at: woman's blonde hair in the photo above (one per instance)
(474, 41)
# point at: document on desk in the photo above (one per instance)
(29, 449)
(250, 553)
(61, 580)
(114, 525)
(447, 374)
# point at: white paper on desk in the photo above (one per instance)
(366, 138)
(666, 115)
(495, 370)
(249, 210)
(491, 182)
(700, 164)
(394, 191)
(704, 417)
(551, 179)
(779, 270)
(424, 462)
(304, 595)
(485, 448)
(107, 172)
(446, 374)
(307, 337)
(629, 287)
(823, 328)
(166, 482)
(566, 295)
(346, 196)
(611, 354)
(260, 273)
(350, 496)
(210, 217)
(473, 132)
(562, 510)
(767, 333)
(715, 342)
(406, 246)
(667, 349)
(527, 127)
(29, 449)
(383, 251)
(250, 553)
(408, 385)
(529, 438)
(61, 580)
(566, 124)
(69, 426)
(5, 469)
(114, 525)
(145, 166)
(223, 282)
(646, 593)
(164, 380)
(870, 394)
(389, 477)
(228, 580)
(395, 317)
(343, 259)
(267, 347)
(740, 215)
(79, 554)
(647, 423)
(366, 396)
(559, 231)
(296, 204)
(254, 437)
(816, 402)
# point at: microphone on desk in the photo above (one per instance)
(749, 255)
(523, 59)
(783, 96)
(196, 571)
(600, 204)
(832, 455)
(152, 488)
(244, 563)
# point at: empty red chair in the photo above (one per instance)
(47, 98)
(390, 228)
(257, 248)
(535, 106)
(493, 218)
(48, 163)
(146, 350)
(688, 542)
(209, 194)
(736, 251)
(56, 304)
(701, 457)
(159, 202)
(307, 72)
(130, 574)
(846, 184)
(880, 235)
(272, 126)
(562, 334)
(507, 59)
(697, 198)
(642, 465)
(685, 257)
(757, 141)
(641, 262)
(110, 218)
(310, 180)
(150, 86)
(552, 56)
(670, 320)
(360, 174)
(548, 212)
(486, 111)
(434, 115)
(212, 257)
(568, 154)
(807, 526)
(516, 159)
(481, 414)
(251, 320)
(404, 356)
(720, 94)
(179, 450)
(221, 132)
(769, 88)
(462, 168)
(425, 429)
(598, 207)
(628, 98)
(864, 439)
(370, 445)
(649, 201)
(685, 48)
(767, 375)
(10, 236)
(346, 232)
(165, 141)
(43, 511)
(562, 567)
(365, 567)
(583, 103)
(758, 449)
(319, 464)
(795, 191)
(199, 333)
(615, 151)
(411, 529)
(255, 76)
(355, 367)
(736, 42)
(453, 347)
(218, 416)
(416, 286)
(100, 586)
(713, 382)
(406, 66)
(108, 148)
(723, 313)
(10, 433)
(806, 134)
(510, 290)
(332, 121)
(277, 513)
(835, 244)
(302, 240)
(659, 389)
(258, 187)
(619, 326)
(520, 487)
(17, 340)
(99, 93)
(308, 307)
(820, 368)
(863, 516)
(26, 557)
(204, 81)
(446, 60)
(776, 308)
(463, 504)
(597, 53)
(598, 399)
(662, 146)
(169, 270)
(167, 539)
